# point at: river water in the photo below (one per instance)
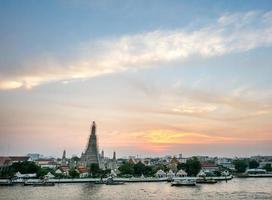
(247, 188)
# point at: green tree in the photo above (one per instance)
(43, 171)
(139, 169)
(240, 165)
(193, 166)
(181, 166)
(253, 164)
(268, 167)
(25, 167)
(157, 167)
(73, 173)
(127, 168)
(105, 173)
(94, 169)
(217, 173)
(148, 171)
(75, 159)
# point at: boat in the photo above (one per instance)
(110, 181)
(206, 181)
(40, 183)
(184, 182)
(255, 173)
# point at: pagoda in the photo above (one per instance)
(91, 156)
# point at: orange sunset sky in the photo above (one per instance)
(177, 78)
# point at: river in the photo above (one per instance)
(237, 188)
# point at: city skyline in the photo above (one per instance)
(158, 78)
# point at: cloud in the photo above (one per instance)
(231, 33)
(238, 104)
(193, 109)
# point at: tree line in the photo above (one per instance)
(241, 165)
(192, 168)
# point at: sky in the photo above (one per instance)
(158, 77)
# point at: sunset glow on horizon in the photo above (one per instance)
(163, 81)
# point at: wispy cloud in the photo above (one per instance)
(230, 33)
(191, 109)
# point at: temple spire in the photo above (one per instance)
(63, 160)
(91, 154)
(64, 155)
(114, 155)
(93, 128)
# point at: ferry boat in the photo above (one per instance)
(184, 182)
(39, 183)
(255, 173)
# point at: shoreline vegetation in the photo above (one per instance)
(29, 171)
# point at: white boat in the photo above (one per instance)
(206, 180)
(184, 182)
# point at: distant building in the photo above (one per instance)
(209, 167)
(90, 156)
(62, 170)
(204, 158)
(34, 156)
(47, 163)
(132, 161)
(182, 160)
(112, 164)
(63, 159)
(6, 161)
(15, 159)
(83, 171)
(226, 163)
